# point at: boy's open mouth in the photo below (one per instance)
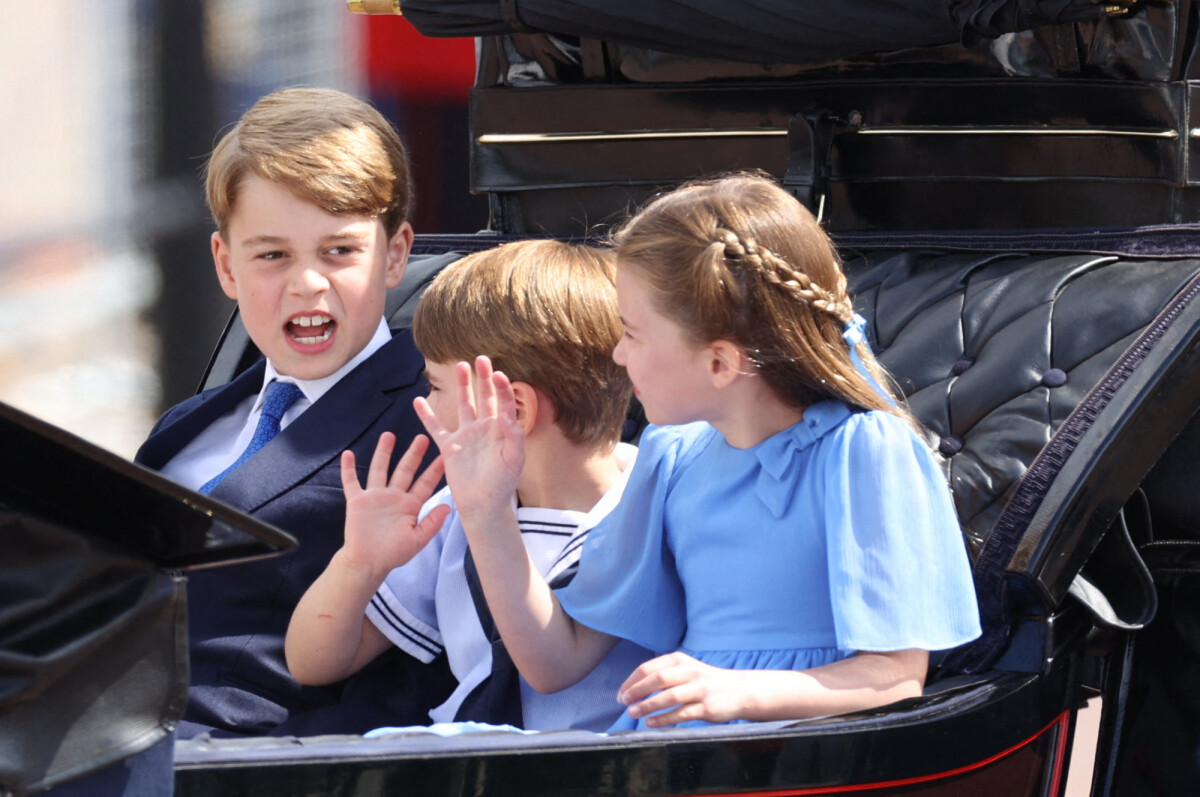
(311, 329)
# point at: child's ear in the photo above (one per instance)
(727, 362)
(398, 250)
(220, 253)
(529, 404)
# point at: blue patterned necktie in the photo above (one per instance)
(279, 398)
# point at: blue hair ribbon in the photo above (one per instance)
(854, 334)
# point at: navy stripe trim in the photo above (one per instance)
(390, 617)
(571, 551)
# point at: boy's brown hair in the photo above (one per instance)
(546, 313)
(324, 146)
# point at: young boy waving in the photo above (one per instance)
(546, 313)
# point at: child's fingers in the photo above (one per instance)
(433, 521)
(406, 468)
(485, 388)
(466, 394)
(427, 418)
(350, 485)
(506, 398)
(377, 472)
(428, 481)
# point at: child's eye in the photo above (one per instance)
(344, 250)
(272, 255)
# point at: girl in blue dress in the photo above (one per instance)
(786, 539)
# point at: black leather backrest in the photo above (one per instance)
(995, 350)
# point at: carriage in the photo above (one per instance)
(1014, 208)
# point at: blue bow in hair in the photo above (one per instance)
(854, 334)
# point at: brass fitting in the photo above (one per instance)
(1118, 8)
(374, 7)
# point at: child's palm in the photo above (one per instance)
(485, 454)
(382, 526)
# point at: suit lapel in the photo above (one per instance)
(326, 428)
(197, 414)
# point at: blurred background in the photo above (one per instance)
(107, 113)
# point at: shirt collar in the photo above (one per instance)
(313, 389)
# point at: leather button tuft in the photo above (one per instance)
(1055, 377)
(962, 365)
(950, 445)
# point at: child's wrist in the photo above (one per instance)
(483, 523)
(482, 510)
(366, 570)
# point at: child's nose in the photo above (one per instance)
(311, 279)
(618, 353)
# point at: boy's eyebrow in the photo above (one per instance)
(337, 236)
(256, 240)
(274, 240)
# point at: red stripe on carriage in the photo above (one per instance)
(1061, 721)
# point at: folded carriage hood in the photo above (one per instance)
(58, 477)
(93, 642)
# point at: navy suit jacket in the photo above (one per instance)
(238, 614)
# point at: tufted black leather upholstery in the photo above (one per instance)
(993, 351)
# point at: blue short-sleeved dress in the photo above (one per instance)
(836, 535)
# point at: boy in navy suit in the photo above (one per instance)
(310, 194)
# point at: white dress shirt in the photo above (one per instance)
(220, 445)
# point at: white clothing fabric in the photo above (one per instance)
(425, 607)
(220, 445)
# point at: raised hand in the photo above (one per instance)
(484, 455)
(382, 530)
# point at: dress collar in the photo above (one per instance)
(779, 458)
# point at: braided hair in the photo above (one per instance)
(739, 259)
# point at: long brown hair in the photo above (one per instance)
(739, 259)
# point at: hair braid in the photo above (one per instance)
(737, 258)
(776, 271)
